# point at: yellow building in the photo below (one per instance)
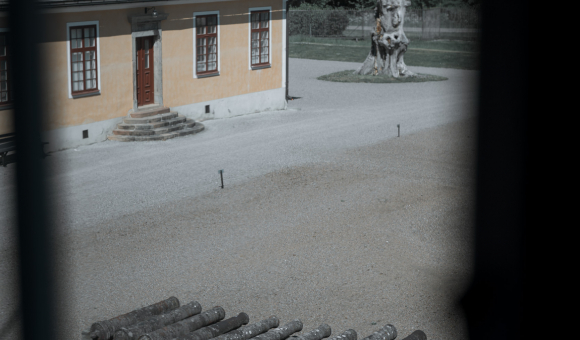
(106, 61)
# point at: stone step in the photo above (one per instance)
(197, 127)
(175, 124)
(151, 111)
(151, 119)
(151, 126)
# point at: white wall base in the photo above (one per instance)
(72, 136)
(270, 100)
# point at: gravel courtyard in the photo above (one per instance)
(326, 214)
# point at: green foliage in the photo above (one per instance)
(309, 20)
(444, 3)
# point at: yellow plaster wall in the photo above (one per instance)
(6, 123)
(179, 86)
(116, 97)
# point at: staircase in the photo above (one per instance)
(157, 123)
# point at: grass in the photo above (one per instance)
(457, 54)
(349, 77)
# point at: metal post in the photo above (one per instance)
(287, 44)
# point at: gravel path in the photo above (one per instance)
(326, 215)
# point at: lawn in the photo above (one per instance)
(349, 77)
(460, 54)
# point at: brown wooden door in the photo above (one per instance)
(145, 91)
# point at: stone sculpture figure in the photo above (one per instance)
(389, 42)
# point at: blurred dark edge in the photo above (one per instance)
(34, 224)
(496, 301)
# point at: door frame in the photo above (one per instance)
(146, 26)
(157, 67)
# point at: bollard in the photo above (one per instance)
(323, 331)
(281, 333)
(154, 323)
(416, 335)
(388, 332)
(104, 330)
(398, 130)
(186, 326)
(218, 328)
(349, 334)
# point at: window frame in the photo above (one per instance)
(212, 73)
(84, 93)
(10, 93)
(269, 63)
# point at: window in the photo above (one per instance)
(6, 93)
(260, 38)
(206, 44)
(83, 59)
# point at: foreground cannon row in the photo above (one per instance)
(167, 320)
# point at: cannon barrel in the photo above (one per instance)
(159, 321)
(388, 332)
(349, 334)
(281, 333)
(236, 334)
(416, 335)
(187, 325)
(104, 330)
(217, 328)
(252, 330)
(323, 331)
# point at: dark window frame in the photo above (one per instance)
(259, 30)
(207, 36)
(8, 77)
(82, 50)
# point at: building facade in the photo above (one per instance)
(202, 59)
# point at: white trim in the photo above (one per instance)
(284, 47)
(250, 10)
(82, 23)
(219, 50)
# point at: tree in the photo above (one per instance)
(389, 42)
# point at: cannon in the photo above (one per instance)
(159, 321)
(218, 328)
(105, 330)
(349, 334)
(281, 333)
(186, 326)
(323, 331)
(251, 330)
(388, 332)
(416, 335)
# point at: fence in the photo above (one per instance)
(434, 23)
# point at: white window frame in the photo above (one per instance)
(195, 15)
(252, 9)
(69, 66)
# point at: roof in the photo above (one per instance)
(76, 3)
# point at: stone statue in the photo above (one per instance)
(389, 42)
